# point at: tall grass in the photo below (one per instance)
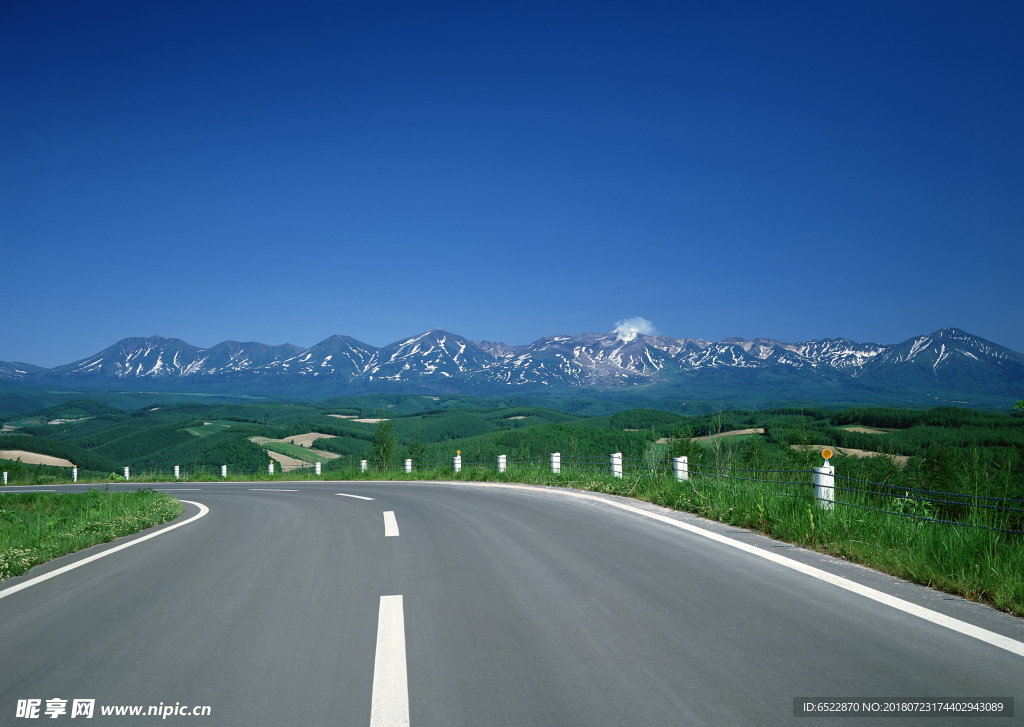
(967, 560)
(37, 527)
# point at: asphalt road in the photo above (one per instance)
(476, 605)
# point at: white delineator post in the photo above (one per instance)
(682, 468)
(318, 468)
(126, 473)
(270, 469)
(177, 472)
(824, 486)
(5, 478)
(457, 463)
(617, 464)
(74, 474)
(501, 463)
(223, 470)
(408, 466)
(556, 463)
(362, 465)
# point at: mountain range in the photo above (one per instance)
(948, 365)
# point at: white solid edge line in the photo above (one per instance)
(358, 497)
(268, 489)
(390, 525)
(389, 703)
(954, 624)
(203, 509)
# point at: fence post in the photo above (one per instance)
(223, 470)
(682, 467)
(457, 463)
(617, 464)
(556, 463)
(74, 474)
(317, 468)
(126, 473)
(824, 487)
(270, 469)
(362, 465)
(408, 466)
(501, 463)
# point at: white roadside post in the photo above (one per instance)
(501, 463)
(318, 469)
(457, 462)
(177, 472)
(270, 469)
(5, 478)
(682, 468)
(223, 470)
(824, 483)
(74, 474)
(362, 465)
(617, 464)
(556, 463)
(126, 473)
(408, 466)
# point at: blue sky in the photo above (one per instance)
(282, 173)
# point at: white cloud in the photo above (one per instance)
(627, 330)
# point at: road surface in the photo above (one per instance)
(371, 603)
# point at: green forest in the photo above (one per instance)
(946, 448)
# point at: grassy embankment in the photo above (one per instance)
(978, 564)
(37, 527)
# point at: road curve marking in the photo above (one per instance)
(390, 525)
(389, 703)
(954, 624)
(203, 509)
(358, 497)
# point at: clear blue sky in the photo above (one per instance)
(283, 172)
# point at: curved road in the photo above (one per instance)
(292, 604)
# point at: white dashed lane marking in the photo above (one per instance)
(389, 704)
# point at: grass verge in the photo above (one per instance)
(37, 527)
(981, 565)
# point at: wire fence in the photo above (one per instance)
(962, 509)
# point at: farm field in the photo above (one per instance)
(943, 449)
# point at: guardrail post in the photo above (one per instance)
(824, 487)
(617, 464)
(682, 468)
(556, 463)
(126, 473)
(457, 463)
(318, 468)
(223, 470)
(501, 463)
(270, 469)
(74, 474)
(362, 465)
